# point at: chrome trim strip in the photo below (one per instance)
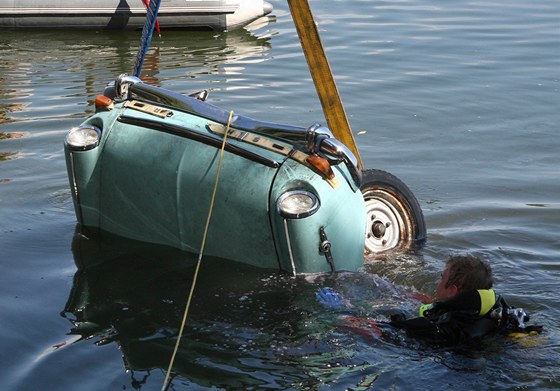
(315, 138)
(128, 87)
(196, 136)
(289, 242)
(75, 193)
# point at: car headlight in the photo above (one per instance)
(83, 138)
(297, 204)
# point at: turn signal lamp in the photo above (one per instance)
(320, 165)
(297, 204)
(103, 103)
(83, 138)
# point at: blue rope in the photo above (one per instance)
(146, 38)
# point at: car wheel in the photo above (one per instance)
(394, 217)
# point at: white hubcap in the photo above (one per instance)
(383, 226)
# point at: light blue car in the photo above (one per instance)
(147, 165)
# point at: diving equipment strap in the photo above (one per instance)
(424, 309)
(487, 300)
(483, 301)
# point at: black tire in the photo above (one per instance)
(394, 217)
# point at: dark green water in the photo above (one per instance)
(461, 100)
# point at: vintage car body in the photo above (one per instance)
(145, 165)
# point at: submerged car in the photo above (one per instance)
(160, 167)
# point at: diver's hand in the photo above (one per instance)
(330, 299)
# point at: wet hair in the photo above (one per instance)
(468, 272)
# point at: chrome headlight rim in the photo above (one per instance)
(87, 144)
(287, 204)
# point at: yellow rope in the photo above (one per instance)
(184, 321)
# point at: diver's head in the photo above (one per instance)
(463, 273)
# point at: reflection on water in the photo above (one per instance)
(242, 320)
(251, 328)
(5, 136)
(79, 65)
(459, 99)
(7, 155)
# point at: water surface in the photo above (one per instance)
(459, 99)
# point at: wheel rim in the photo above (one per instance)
(383, 230)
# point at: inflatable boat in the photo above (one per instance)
(130, 14)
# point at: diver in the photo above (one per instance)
(465, 308)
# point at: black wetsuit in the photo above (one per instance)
(461, 319)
